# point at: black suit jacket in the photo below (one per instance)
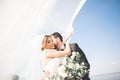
(83, 58)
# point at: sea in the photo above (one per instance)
(109, 76)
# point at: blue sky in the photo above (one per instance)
(96, 30)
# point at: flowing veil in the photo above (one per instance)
(22, 26)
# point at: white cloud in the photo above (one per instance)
(114, 63)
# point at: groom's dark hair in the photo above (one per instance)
(56, 34)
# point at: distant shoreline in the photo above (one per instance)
(107, 76)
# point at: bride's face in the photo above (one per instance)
(50, 44)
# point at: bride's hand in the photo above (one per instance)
(46, 74)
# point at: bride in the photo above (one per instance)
(50, 58)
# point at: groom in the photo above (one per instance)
(58, 40)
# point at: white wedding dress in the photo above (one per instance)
(53, 65)
(22, 26)
(50, 65)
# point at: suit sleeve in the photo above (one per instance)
(83, 58)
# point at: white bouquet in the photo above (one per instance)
(70, 68)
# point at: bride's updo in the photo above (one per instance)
(47, 42)
(43, 45)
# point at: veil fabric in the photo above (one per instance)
(22, 26)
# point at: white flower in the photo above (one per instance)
(77, 53)
(86, 71)
(77, 65)
(70, 74)
(83, 63)
(79, 74)
(73, 55)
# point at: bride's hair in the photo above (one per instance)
(45, 38)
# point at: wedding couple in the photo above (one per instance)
(53, 49)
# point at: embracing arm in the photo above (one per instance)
(54, 53)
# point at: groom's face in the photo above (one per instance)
(54, 40)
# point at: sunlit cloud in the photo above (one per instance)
(114, 63)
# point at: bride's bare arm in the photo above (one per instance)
(54, 53)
